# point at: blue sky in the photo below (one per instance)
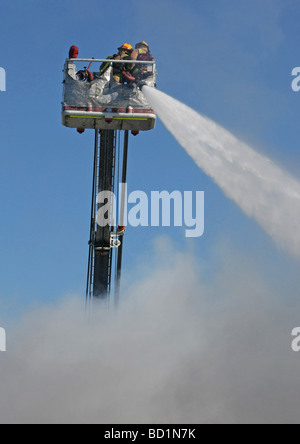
(229, 60)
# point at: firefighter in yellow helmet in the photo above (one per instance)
(140, 48)
(124, 53)
(141, 52)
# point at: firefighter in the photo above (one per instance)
(124, 53)
(141, 52)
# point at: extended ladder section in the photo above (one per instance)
(106, 238)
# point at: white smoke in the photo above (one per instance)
(177, 351)
(260, 188)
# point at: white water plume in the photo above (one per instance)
(260, 188)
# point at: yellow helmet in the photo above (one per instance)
(126, 47)
(142, 43)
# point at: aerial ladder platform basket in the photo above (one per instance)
(105, 104)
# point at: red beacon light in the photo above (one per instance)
(73, 53)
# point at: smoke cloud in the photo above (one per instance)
(181, 349)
